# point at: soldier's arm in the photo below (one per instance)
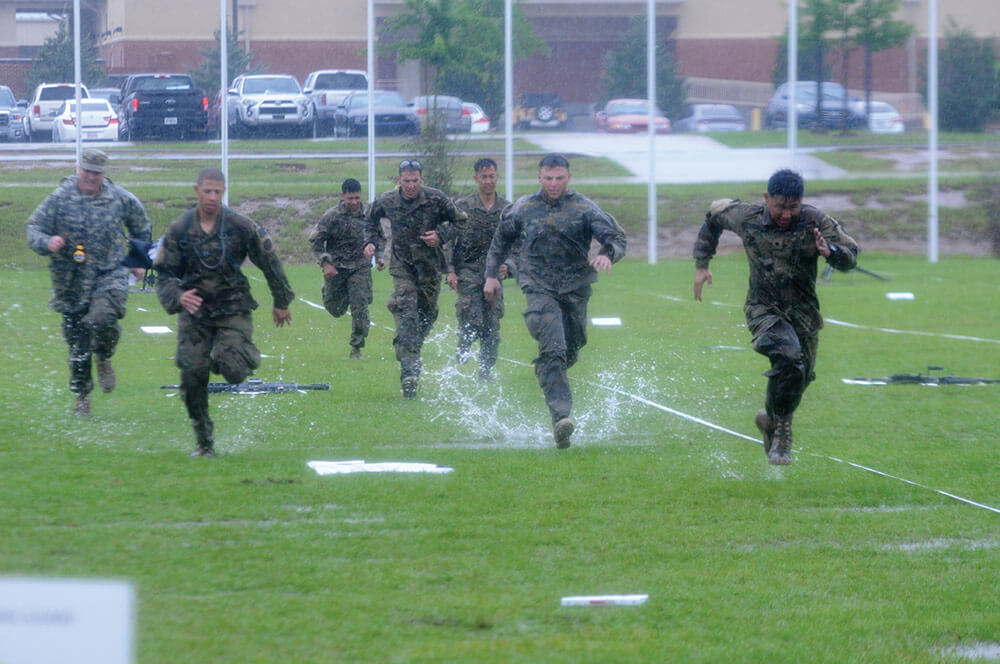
(609, 234)
(843, 249)
(264, 255)
(42, 226)
(718, 218)
(136, 219)
(318, 238)
(451, 220)
(168, 267)
(507, 232)
(374, 235)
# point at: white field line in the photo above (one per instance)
(889, 330)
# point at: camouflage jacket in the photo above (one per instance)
(555, 239)
(190, 258)
(408, 220)
(95, 224)
(339, 239)
(782, 261)
(466, 256)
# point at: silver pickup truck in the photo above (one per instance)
(327, 88)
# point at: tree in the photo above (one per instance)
(240, 61)
(967, 81)
(625, 73)
(878, 31)
(55, 61)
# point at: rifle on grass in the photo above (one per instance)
(921, 379)
(256, 386)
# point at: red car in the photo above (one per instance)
(629, 115)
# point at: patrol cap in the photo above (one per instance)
(94, 161)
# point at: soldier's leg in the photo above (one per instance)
(790, 373)
(79, 339)
(574, 313)
(194, 348)
(360, 294)
(335, 298)
(489, 343)
(233, 353)
(106, 308)
(427, 304)
(468, 313)
(544, 320)
(407, 340)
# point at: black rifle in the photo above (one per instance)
(256, 386)
(928, 379)
(828, 273)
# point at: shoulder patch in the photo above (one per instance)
(721, 205)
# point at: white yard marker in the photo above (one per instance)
(360, 466)
(606, 322)
(604, 600)
(900, 296)
(156, 329)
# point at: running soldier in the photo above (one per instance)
(421, 219)
(338, 244)
(556, 226)
(200, 280)
(478, 319)
(80, 227)
(783, 240)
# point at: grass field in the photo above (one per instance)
(253, 557)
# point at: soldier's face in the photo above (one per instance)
(209, 196)
(554, 180)
(352, 201)
(409, 184)
(486, 179)
(89, 182)
(783, 210)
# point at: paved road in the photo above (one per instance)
(684, 158)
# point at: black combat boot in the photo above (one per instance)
(203, 434)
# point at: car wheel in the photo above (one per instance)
(545, 113)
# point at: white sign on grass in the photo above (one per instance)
(55, 621)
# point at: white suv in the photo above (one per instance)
(270, 100)
(44, 106)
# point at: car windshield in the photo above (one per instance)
(271, 84)
(341, 81)
(880, 107)
(6, 98)
(60, 93)
(164, 83)
(381, 99)
(831, 92)
(726, 112)
(541, 99)
(629, 107)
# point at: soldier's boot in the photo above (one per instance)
(82, 407)
(356, 353)
(203, 429)
(562, 430)
(409, 386)
(105, 374)
(485, 373)
(781, 441)
(766, 427)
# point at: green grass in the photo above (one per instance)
(252, 557)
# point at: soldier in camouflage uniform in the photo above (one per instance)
(80, 227)
(338, 244)
(200, 280)
(783, 240)
(555, 227)
(466, 257)
(421, 219)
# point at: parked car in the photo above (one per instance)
(711, 117)
(113, 95)
(326, 89)
(883, 119)
(11, 117)
(478, 121)
(270, 101)
(832, 107)
(447, 109)
(98, 121)
(540, 109)
(44, 104)
(629, 115)
(162, 104)
(392, 115)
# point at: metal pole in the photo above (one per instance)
(371, 100)
(508, 94)
(651, 231)
(224, 95)
(76, 78)
(932, 141)
(792, 115)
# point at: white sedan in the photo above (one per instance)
(884, 119)
(480, 122)
(100, 122)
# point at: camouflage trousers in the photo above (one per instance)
(414, 307)
(793, 358)
(350, 288)
(94, 330)
(478, 320)
(559, 324)
(222, 345)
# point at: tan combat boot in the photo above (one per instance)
(781, 441)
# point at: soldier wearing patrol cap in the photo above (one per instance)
(81, 228)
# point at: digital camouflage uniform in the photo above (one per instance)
(477, 318)
(90, 293)
(416, 269)
(554, 271)
(219, 337)
(781, 308)
(339, 239)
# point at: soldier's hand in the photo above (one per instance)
(138, 272)
(452, 280)
(329, 271)
(431, 238)
(282, 316)
(191, 301)
(369, 250)
(491, 288)
(380, 264)
(56, 243)
(502, 271)
(601, 262)
(702, 275)
(821, 244)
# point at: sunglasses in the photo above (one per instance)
(553, 161)
(410, 165)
